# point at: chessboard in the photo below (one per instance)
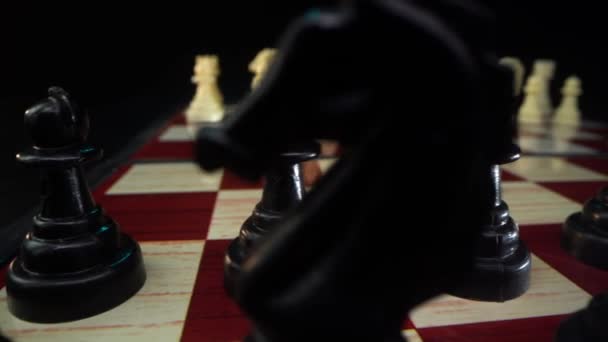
(184, 219)
(587, 139)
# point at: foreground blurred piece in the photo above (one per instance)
(75, 262)
(333, 79)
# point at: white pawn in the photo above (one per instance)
(519, 72)
(567, 112)
(545, 70)
(260, 64)
(530, 110)
(207, 104)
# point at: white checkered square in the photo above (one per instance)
(531, 203)
(174, 177)
(232, 208)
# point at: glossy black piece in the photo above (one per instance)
(283, 191)
(585, 234)
(587, 325)
(75, 262)
(502, 266)
(396, 220)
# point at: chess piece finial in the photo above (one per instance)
(74, 262)
(568, 112)
(530, 110)
(70, 125)
(260, 64)
(208, 102)
(519, 72)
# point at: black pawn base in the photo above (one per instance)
(498, 279)
(502, 264)
(587, 325)
(53, 298)
(584, 242)
(501, 270)
(283, 190)
(239, 248)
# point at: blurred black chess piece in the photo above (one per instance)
(403, 86)
(585, 236)
(585, 233)
(283, 191)
(75, 262)
(588, 324)
(502, 266)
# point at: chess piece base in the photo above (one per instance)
(239, 248)
(498, 279)
(584, 243)
(53, 298)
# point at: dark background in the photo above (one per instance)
(130, 67)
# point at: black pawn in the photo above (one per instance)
(585, 233)
(585, 236)
(283, 190)
(501, 269)
(75, 262)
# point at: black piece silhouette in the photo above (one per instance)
(75, 262)
(397, 219)
(585, 236)
(502, 266)
(588, 324)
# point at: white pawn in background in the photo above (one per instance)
(544, 69)
(530, 111)
(208, 103)
(568, 113)
(259, 65)
(519, 72)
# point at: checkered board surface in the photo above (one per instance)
(554, 139)
(184, 220)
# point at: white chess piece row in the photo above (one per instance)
(537, 108)
(207, 105)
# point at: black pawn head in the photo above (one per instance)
(56, 121)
